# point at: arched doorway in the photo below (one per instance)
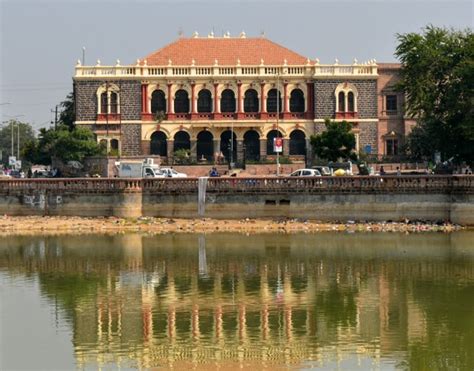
(252, 145)
(228, 137)
(181, 141)
(205, 145)
(270, 136)
(251, 101)
(158, 144)
(181, 101)
(297, 143)
(228, 101)
(204, 104)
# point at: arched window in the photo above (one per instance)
(158, 144)
(108, 99)
(204, 103)
(113, 102)
(103, 103)
(297, 143)
(270, 136)
(252, 145)
(342, 102)
(297, 101)
(205, 145)
(228, 101)
(272, 104)
(158, 101)
(181, 141)
(350, 102)
(114, 144)
(181, 102)
(251, 101)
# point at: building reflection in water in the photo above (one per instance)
(264, 300)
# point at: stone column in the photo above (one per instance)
(240, 113)
(286, 99)
(286, 147)
(216, 148)
(309, 153)
(240, 151)
(193, 101)
(263, 102)
(263, 148)
(217, 106)
(170, 150)
(193, 150)
(170, 104)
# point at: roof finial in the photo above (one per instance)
(262, 34)
(138, 62)
(316, 61)
(285, 62)
(336, 61)
(169, 62)
(145, 62)
(98, 62)
(195, 34)
(78, 64)
(216, 63)
(261, 62)
(227, 35)
(211, 35)
(308, 62)
(118, 63)
(238, 62)
(193, 62)
(243, 35)
(355, 61)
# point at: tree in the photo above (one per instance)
(64, 144)
(337, 142)
(437, 77)
(15, 126)
(67, 115)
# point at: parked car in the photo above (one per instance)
(17, 174)
(324, 170)
(171, 173)
(306, 172)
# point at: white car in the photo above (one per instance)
(170, 173)
(306, 172)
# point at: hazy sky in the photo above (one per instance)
(41, 41)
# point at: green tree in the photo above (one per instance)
(336, 142)
(437, 77)
(64, 144)
(67, 115)
(26, 135)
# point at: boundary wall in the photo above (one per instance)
(371, 198)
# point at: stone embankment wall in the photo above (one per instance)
(430, 198)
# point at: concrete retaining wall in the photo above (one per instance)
(434, 198)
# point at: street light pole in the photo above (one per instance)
(277, 122)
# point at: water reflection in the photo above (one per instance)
(384, 300)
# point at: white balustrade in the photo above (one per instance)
(356, 70)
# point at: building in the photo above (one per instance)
(228, 96)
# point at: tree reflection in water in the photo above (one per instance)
(264, 300)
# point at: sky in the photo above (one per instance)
(40, 41)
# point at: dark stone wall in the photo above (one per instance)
(86, 99)
(325, 100)
(131, 139)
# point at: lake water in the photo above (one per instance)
(230, 301)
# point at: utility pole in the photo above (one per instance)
(277, 122)
(13, 149)
(18, 149)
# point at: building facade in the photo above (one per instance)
(214, 97)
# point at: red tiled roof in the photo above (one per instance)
(205, 51)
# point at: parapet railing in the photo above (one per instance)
(308, 70)
(458, 184)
